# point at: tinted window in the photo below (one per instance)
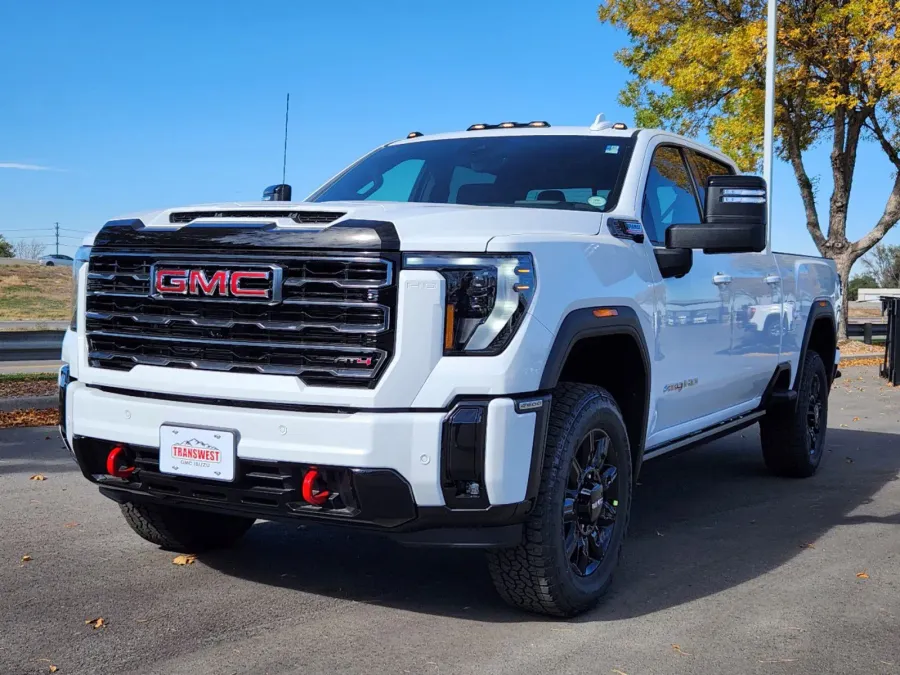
(395, 184)
(669, 196)
(703, 167)
(549, 171)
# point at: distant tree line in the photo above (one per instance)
(27, 250)
(882, 270)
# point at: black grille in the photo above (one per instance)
(333, 325)
(320, 217)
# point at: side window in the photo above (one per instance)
(703, 167)
(669, 195)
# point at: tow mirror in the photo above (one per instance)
(735, 218)
(277, 193)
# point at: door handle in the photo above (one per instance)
(722, 279)
(774, 279)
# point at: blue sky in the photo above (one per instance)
(141, 105)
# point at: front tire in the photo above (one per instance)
(184, 530)
(793, 438)
(573, 537)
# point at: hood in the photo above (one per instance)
(419, 226)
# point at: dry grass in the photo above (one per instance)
(855, 347)
(35, 293)
(863, 312)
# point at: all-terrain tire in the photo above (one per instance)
(184, 530)
(793, 437)
(538, 574)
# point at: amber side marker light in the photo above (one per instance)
(823, 303)
(449, 328)
(604, 312)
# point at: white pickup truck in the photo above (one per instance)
(466, 339)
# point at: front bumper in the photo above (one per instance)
(402, 472)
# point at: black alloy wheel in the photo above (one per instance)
(815, 416)
(591, 502)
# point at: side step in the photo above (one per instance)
(705, 435)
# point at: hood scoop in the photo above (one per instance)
(298, 216)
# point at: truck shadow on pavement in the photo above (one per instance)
(703, 522)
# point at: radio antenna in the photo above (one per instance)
(287, 110)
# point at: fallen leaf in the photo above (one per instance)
(96, 623)
(618, 672)
(26, 558)
(53, 668)
(38, 476)
(807, 546)
(678, 649)
(184, 560)
(862, 575)
(844, 426)
(71, 525)
(856, 419)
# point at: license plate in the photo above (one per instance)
(196, 453)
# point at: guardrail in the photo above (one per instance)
(33, 345)
(867, 331)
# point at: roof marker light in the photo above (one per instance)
(477, 127)
(414, 134)
(620, 126)
(507, 125)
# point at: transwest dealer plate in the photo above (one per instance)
(196, 453)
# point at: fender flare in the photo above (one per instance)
(580, 324)
(821, 308)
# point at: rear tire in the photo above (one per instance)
(184, 530)
(573, 537)
(793, 437)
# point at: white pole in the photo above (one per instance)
(769, 123)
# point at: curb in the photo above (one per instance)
(859, 357)
(26, 402)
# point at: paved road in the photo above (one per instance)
(29, 366)
(716, 563)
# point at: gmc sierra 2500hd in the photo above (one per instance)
(465, 339)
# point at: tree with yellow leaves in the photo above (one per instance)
(698, 66)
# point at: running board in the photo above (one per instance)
(710, 434)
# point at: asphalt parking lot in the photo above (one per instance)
(726, 570)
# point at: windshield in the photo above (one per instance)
(549, 171)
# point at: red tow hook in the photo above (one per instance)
(115, 463)
(310, 492)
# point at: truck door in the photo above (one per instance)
(758, 318)
(693, 359)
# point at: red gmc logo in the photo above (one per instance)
(234, 284)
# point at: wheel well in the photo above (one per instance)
(616, 363)
(822, 340)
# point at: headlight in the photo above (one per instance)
(486, 301)
(81, 257)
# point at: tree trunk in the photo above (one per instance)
(844, 261)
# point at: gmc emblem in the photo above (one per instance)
(255, 283)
